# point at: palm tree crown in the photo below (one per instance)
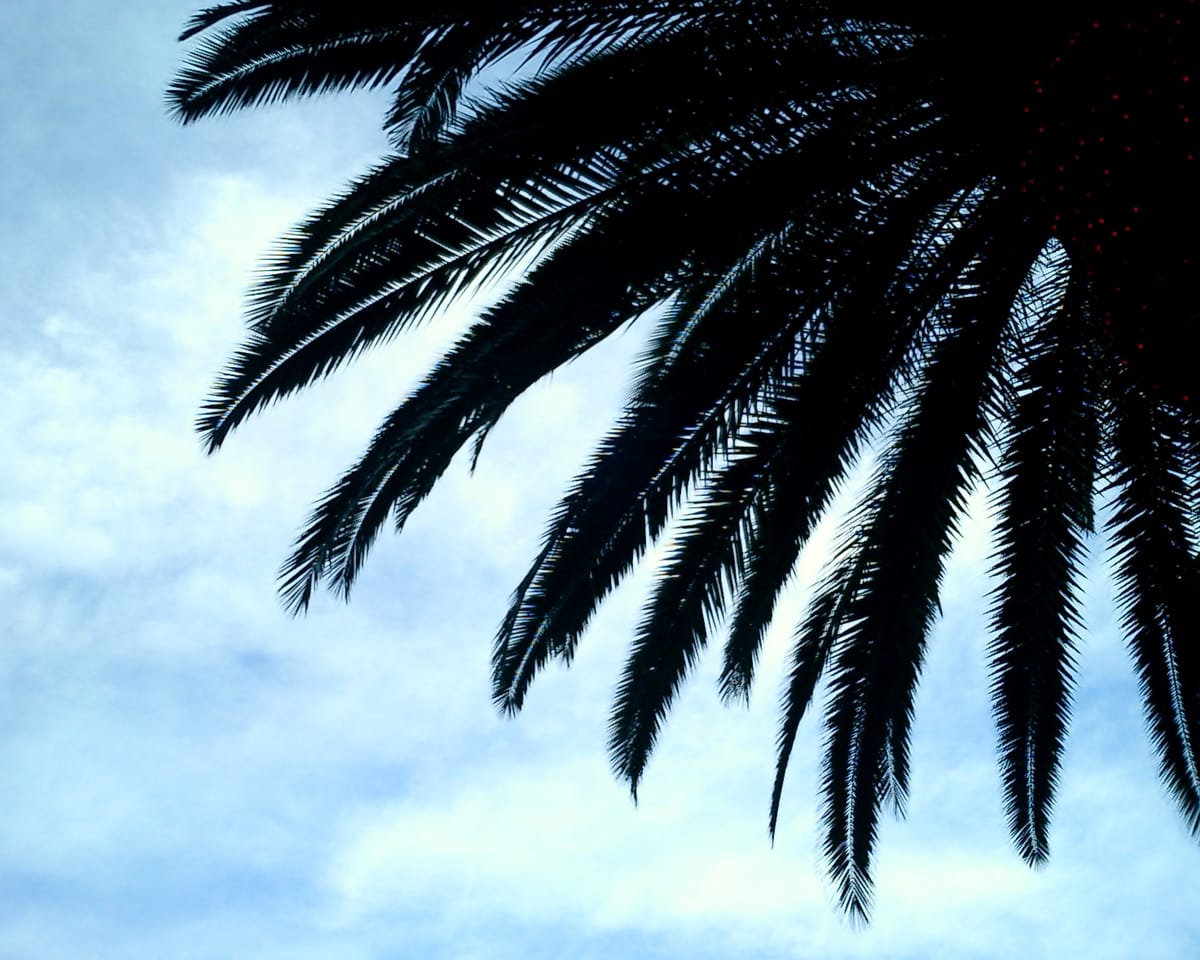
(969, 244)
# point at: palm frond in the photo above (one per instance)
(566, 306)
(1045, 511)
(906, 527)
(1155, 557)
(687, 602)
(823, 419)
(859, 230)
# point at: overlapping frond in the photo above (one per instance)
(821, 419)
(861, 230)
(891, 564)
(708, 366)
(568, 304)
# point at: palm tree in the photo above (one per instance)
(966, 245)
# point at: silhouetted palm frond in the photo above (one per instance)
(968, 244)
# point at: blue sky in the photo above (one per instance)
(187, 772)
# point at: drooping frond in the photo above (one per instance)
(588, 547)
(941, 263)
(1153, 530)
(822, 419)
(688, 599)
(903, 531)
(669, 435)
(566, 306)
(1045, 511)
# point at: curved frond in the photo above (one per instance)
(566, 306)
(687, 602)
(590, 544)
(903, 532)
(821, 422)
(1045, 511)
(1156, 566)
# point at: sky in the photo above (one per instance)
(189, 772)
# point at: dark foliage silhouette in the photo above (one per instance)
(966, 240)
